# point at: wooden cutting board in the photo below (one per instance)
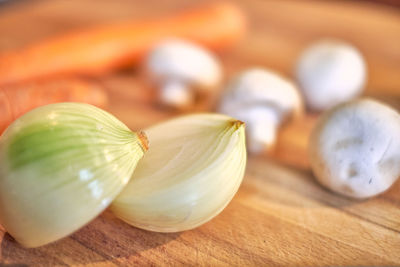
(280, 215)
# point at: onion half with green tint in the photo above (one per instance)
(60, 166)
(192, 170)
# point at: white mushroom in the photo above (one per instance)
(182, 70)
(263, 100)
(355, 148)
(330, 72)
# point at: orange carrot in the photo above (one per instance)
(17, 100)
(102, 49)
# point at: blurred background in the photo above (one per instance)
(277, 33)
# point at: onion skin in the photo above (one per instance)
(60, 166)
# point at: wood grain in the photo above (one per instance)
(280, 216)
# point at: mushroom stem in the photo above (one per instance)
(262, 127)
(176, 94)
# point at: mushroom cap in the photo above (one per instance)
(330, 72)
(185, 62)
(260, 87)
(355, 148)
(263, 100)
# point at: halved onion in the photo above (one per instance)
(60, 166)
(191, 172)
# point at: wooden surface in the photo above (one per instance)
(280, 215)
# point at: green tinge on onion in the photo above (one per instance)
(192, 170)
(60, 166)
